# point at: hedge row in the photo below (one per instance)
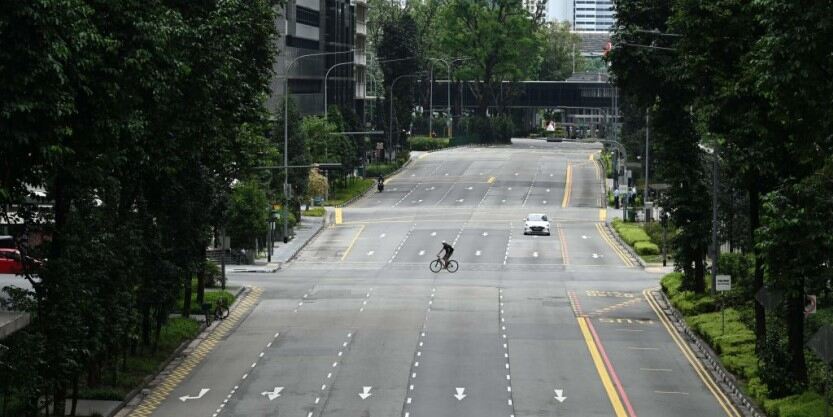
(635, 236)
(424, 143)
(735, 345)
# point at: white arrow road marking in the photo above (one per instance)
(583, 237)
(382, 236)
(272, 394)
(460, 200)
(510, 188)
(460, 394)
(469, 188)
(422, 252)
(559, 395)
(485, 233)
(534, 254)
(502, 201)
(370, 253)
(188, 397)
(413, 175)
(433, 233)
(545, 201)
(516, 174)
(477, 253)
(446, 174)
(365, 392)
(596, 256)
(419, 201)
(548, 190)
(550, 174)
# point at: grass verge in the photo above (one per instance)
(314, 212)
(353, 189)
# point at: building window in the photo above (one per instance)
(307, 16)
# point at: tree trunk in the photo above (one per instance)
(59, 400)
(201, 280)
(758, 281)
(699, 271)
(795, 338)
(74, 396)
(145, 324)
(186, 299)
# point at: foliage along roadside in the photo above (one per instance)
(735, 346)
(634, 235)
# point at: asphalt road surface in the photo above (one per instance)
(357, 325)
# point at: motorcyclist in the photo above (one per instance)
(380, 183)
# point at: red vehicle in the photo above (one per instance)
(12, 263)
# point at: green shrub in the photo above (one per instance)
(630, 232)
(808, 404)
(374, 170)
(101, 393)
(352, 189)
(687, 302)
(314, 212)
(212, 274)
(646, 248)
(424, 143)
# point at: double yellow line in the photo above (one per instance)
(568, 185)
(613, 245)
(565, 255)
(598, 362)
(701, 371)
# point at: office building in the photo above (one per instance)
(310, 27)
(593, 15)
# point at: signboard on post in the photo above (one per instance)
(809, 305)
(724, 283)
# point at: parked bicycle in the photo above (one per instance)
(219, 311)
(437, 265)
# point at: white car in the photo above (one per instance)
(537, 224)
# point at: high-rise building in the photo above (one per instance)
(593, 15)
(310, 27)
(360, 43)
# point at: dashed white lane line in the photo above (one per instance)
(422, 252)
(531, 186)
(477, 253)
(382, 236)
(370, 253)
(508, 244)
(445, 195)
(418, 354)
(402, 243)
(505, 352)
(246, 375)
(406, 195)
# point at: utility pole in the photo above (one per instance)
(647, 161)
(715, 189)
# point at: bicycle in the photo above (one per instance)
(220, 311)
(437, 265)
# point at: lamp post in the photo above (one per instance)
(647, 161)
(286, 188)
(390, 114)
(447, 63)
(327, 74)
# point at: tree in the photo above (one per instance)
(248, 214)
(497, 37)
(559, 52)
(399, 45)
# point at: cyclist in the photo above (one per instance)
(448, 249)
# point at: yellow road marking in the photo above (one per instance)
(491, 180)
(164, 389)
(339, 216)
(591, 156)
(565, 256)
(615, 401)
(353, 242)
(622, 255)
(423, 156)
(704, 375)
(568, 185)
(602, 215)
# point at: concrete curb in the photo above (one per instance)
(726, 381)
(144, 388)
(321, 226)
(624, 245)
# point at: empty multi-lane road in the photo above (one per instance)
(358, 326)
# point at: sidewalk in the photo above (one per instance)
(284, 252)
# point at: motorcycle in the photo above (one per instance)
(380, 185)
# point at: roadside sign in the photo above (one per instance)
(822, 343)
(380, 145)
(724, 283)
(769, 298)
(809, 305)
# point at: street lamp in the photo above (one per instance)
(327, 74)
(447, 63)
(286, 132)
(390, 115)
